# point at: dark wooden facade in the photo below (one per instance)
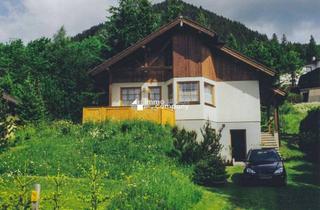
(181, 49)
(181, 55)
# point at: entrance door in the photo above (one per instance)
(238, 144)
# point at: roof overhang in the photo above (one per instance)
(181, 21)
(177, 22)
(247, 60)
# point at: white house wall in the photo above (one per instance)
(237, 106)
(238, 101)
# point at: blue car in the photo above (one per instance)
(264, 165)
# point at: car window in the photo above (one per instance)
(257, 156)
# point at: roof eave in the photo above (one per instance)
(178, 21)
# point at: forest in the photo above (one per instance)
(49, 76)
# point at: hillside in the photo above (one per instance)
(131, 159)
(223, 26)
(134, 171)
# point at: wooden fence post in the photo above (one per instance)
(35, 197)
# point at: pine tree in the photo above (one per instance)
(232, 42)
(202, 18)
(284, 40)
(275, 38)
(312, 50)
(211, 169)
(61, 35)
(174, 9)
(31, 108)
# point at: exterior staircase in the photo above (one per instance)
(268, 140)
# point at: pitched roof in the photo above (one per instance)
(310, 79)
(180, 21)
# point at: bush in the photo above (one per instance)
(309, 141)
(210, 169)
(185, 145)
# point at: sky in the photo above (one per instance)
(32, 19)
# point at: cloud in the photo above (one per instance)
(298, 19)
(31, 19)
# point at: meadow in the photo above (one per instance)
(135, 171)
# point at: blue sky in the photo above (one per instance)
(31, 19)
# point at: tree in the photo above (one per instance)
(290, 61)
(232, 42)
(202, 18)
(275, 38)
(129, 22)
(61, 35)
(312, 50)
(31, 108)
(174, 9)
(284, 40)
(259, 50)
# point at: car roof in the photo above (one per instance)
(264, 149)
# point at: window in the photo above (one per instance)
(155, 94)
(129, 95)
(188, 93)
(170, 94)
(208, 94)
(305, 96)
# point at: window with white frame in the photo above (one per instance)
(209, 94)
(129, 95)
(188, 93)
(155, 94)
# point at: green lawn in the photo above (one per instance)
(141, 175)
(302, 191)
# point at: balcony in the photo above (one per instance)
(158, 115)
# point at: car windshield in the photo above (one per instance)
(258, 156)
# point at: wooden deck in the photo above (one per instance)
(98, 114)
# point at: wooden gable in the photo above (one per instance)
(193, 56)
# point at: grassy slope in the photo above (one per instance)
(291, 116)
(140, 174)
(133, 153)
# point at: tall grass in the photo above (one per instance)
(134, 153)
(292, 114)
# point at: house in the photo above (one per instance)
(197, 79)
(309, 86)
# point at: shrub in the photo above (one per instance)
(185, 145)
(210, 169)
(309, 140)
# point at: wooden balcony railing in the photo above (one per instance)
(98, 114)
